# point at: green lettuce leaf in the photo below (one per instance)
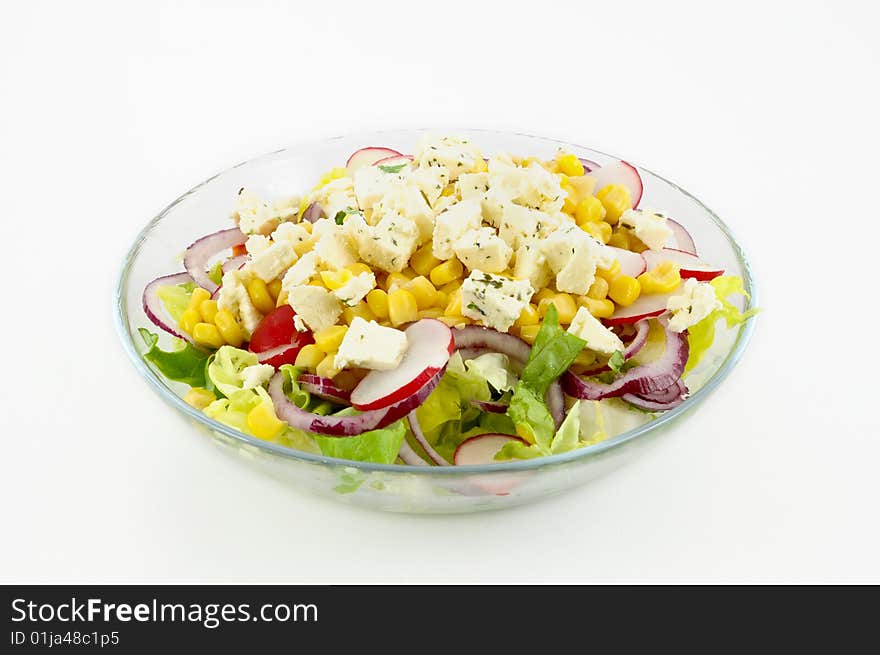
(186, 364)
(216, 273)
(702, 335)
(495, 369)
(295, 393)
(175, 298)
(233, 410)
(377, 446)
(552, 353)
(530, 415)
(225, 367)
(615, 362)
(566, 438)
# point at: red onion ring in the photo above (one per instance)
(423, 442)
(491, 406)
(234, 263)
(588, 164)
(345, 426)
(324, 388)
(410, 456)
(632, 348)
(646, 379)
(153, 306)
(196, 258)
(659, 401)
(313, 213)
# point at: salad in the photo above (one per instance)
(441, 308)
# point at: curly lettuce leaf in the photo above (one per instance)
(216, 273)
(377, 446)
(702, 335)
(225, 367)
(566, 438)
(530, 415)
(495, 369)
(185, 364)
(175, 298)
(296, 394)
(234, 409)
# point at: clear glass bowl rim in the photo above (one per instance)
(128, 341)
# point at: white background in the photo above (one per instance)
(767, 111)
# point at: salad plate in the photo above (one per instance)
(435, 321)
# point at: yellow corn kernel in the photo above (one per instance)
(309, 356)
(599, 289)
(624, 290)
(317, 282)
(326, 368)
(262, 422)
(260, 296)
(589, 210)
(423, 259)
(636, 244)
(453, 307)
(228, 328)
(600, 230)
(402, 307)
(570, 165)
(431, 312)
(480, 165)
(302, 247)
(207, 334)
(423, 291)
(569, 205)
(609, 273)
(529, 333)
(619, 239)
(199, 398)
(274, 288)
(616, 200)
(444, 273)
(359, 267)
(330, 338)
(333, 174)
(198, 296)
(282, 299)
(360, 310)
(582, 187)
(208, 310)
(334, 280)
(378, 303)
(448, 190)
(442, 299)
(598, 308)
(565, 306)
(528, 316)
(395, 280)
(306, 225)
(188, 320)
(663, 278)
(451, 288)
(544, 294)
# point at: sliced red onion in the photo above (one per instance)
(672, 392)
(423, 442)
(313, 213)
(491, 406)
(473, 336)
(648, 378)
(197, 256)
(153, 306)
(556, 402)
(659, 401)
(234, 263)
(410, 456)
(632, 348)
(324, 388)
(344, 426)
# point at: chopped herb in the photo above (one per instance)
(615, 362)
(392, 169)
(476, 308)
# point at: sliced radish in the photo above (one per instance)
(430, 344)
(620, 172)
(681, 239)
(691, 265)
(394, 160)
(631, 263)
(481, 449)
(647, 306)
(369, 156)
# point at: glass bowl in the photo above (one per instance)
(402, 488)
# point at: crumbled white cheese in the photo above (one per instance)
(371, 183)
(430, 181)
(234, 298)
(256, 243)
(517, 223)
(452, 223)
(493, 300)
(388, 244)
(482, 249)
(573, 256)
(407, 200)
(294, 233)
(472, 186)
(256, 375)
(353, 291)
(369, 345)
(531, 264)
(650, 228)
(253, 215)
(333, 244)
(598, 337)
(457, 155)
(271, 262)
(317, 307)
(695, 302)
(335, 196)
(301, 272)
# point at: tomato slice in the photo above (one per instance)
(239, 250)
(277, 333)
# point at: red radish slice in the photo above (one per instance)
(430, 344)
(324, 388)
(691, 265)
(394, 160)
(345, 426)
(153, 307)
(681, 238)
(620, 172)
(416, 428)
(645, 379)
(313, 213)
(409, 456)
(369, 156)
(631, 263)
(196, 258)
(481, 449)
(646, 306)
(589, 165)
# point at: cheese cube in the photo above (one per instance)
(483, 249)
(335, 196)
(272, 261)
(573, 256)
(317, 307)
(531, 264)
(256, 243)
(253, 215)
(472, 186)
(649, 227)
(291, 232)
(598, 337)
(256, 375)
(353, 291)
(407, 200)
(695, 302)
(388, 244)
(493, 300)
(430, 181)
(369, 345)
(457, 155)
(333, 244)
(301, 272)
(518, 223)
(234, 298)
(453, 223)
(371, 183)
